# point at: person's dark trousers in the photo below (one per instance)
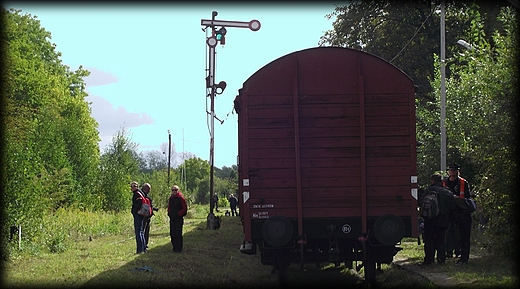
(440, 244)
(139, 233)
(234, 211)
(453, 240)
(465, 234)
(434, 241)
(176, 233)
(429, 242)
(146, 231)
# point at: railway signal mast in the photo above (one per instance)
(218, 35)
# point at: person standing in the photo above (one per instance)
(147, 220)
(435, 228)
(459, 232)
(177, 209)
(215, 201)
(139, 221)
(233, 202)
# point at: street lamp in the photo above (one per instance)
(465, 45)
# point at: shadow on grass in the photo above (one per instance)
(211, 259)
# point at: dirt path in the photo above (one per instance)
(441, 279)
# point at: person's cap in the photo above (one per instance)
(454, 166)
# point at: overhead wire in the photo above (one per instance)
(417, 31)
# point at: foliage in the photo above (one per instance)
(119, 165)
(226, 183)
(196, 174)
(51, 151)
(160, 191)
(201, 195)
(481, 98)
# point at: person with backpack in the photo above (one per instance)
(139, 220)
(147, 220)
(177, 209)
(436, 205)
(459, 230)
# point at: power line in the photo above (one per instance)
(417, 31)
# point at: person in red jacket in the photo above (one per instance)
(177, 209)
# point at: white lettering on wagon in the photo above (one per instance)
(263, 206)
(346, 228)
(261, 215)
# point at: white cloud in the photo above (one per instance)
(98, 77)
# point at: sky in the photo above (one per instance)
(148, 64)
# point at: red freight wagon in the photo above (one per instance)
(327, 159)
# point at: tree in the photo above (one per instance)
(119, 165)
(196, 170)
(228, 181)
(481, 119)
(50, 140)
(160, 190)
(152, 160)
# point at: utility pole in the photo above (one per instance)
(183, 162)
(169, 157)
(443, 88)
(217, 36)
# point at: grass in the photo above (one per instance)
(483, 270)
(211, 258)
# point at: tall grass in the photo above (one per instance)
(62, 228)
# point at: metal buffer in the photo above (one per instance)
(218, 35)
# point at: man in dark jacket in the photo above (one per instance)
(435, 228)
(233, 202)
(177, 209)
(459, 230)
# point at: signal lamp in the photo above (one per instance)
(220, 35)
(220, 87)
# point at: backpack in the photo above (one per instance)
(430, 205)
(146, 206)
